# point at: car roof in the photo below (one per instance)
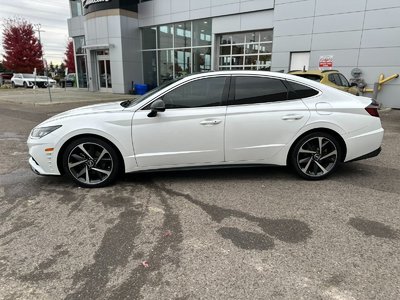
(278, 75)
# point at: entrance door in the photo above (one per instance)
(104, 73)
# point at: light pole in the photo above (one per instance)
(38, 29)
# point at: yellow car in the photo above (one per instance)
(332, 78)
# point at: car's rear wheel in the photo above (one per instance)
(13, 85)
(91, 162)
(25, 84)
(316, 155)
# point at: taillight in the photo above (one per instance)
(372, 110)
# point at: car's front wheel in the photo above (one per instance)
(91, 162)
(316, 155)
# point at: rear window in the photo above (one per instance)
(298, 91)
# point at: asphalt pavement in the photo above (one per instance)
(257, 233)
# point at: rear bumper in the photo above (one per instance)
(364, 144)
(368, 155)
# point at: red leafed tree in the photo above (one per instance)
(23, 52)
(69, 57)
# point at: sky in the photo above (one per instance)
(51, 14)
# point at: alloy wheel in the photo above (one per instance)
(90, 163)
(317, 157)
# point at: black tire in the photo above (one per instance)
(25, 85)
(13, 85)
(313, 162)
(91, 162)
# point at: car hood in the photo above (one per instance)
(88, 110)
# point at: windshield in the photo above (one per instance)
(153, 91)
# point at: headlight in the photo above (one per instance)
(43, 131)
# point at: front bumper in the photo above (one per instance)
(42, 162)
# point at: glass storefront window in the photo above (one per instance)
(252, 48)
(165, 65)
(182, 62)
(201, 33)
(165, 36)
(79, 42)
(252, 37)
(202, 59)
(174, 50)
(237, 38)
(149, 38)
(251, 60)
(246, 50)
(76, 8)
(150, 68)
(237, 60)
(81, 71)
(225, 50)
(225, 61)
(237, 49)
(266, 48)
(266, 36)
(183, 35)
(225, 40)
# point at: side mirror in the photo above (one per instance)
(353, 84)
(156, 106)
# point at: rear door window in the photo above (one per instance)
(251, 89)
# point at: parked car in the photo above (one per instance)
(48, 81)
(30, 80)
(5, 78)
(68, 81)
(332, 78)
(211, 119)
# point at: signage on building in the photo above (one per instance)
(87, 3)
(326, 61)
(90, 6)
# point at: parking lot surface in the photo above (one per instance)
(257, 233)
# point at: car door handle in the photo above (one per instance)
(210, 122)
(292, 117)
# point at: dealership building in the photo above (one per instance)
(120, 43)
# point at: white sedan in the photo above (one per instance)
(211, 119)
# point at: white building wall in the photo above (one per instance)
(169, 11)
(122, 34)
(358, 33)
